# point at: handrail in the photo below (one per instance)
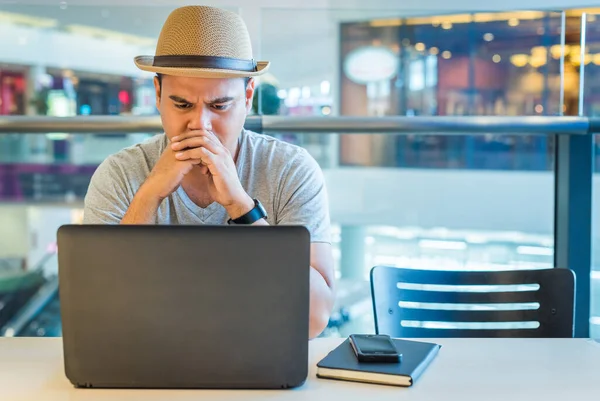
(117, 125)
(439, 125)
(433, 124)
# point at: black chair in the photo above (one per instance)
(425, 303)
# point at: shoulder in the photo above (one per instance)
(145, 152)
(132, 163)
(278, 153)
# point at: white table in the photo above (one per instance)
(464, 370)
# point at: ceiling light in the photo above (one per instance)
(488, 37)
(476, 239)
(537, 61)
(539, 51)
(513, 22)
(519, 60)
(535, 251)
(110, 35)
(57, 136)
(386, 22)
(22, 19)
(558, 51)
(445, 245)
(575, 51)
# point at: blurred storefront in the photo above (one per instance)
(499, 64)
(94, 93)
(12, 89)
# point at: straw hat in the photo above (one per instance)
(204, 42)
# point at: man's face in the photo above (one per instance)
(219, 105)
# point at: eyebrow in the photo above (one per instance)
(224, 99)
(179, 99)
(219, 100)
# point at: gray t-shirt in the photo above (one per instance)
(283, 177)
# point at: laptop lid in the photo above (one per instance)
(185, 306)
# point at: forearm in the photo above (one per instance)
(321, 303)
(142, 209)
(321, 299)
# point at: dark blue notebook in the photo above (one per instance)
(341, 364)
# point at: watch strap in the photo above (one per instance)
(258, 212)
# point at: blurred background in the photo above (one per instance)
(474, 202)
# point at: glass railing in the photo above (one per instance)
(410, 196)
(431, 218)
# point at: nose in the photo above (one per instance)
(200, 120)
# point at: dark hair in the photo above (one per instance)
(159, 77)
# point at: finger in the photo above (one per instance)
(214, 136)
(197, 142)
(197, 162)
(202, 168)
(209, 159)
(195, 133)
(213, 162)
(196, 153)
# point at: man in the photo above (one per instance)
(206, 169)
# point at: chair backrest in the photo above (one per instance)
(432, 303)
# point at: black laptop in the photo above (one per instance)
(184, 306)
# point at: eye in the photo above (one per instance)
(183, 105)
(221, 107)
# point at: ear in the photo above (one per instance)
(157, 90)
(249, 95)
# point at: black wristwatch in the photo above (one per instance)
(257, 213)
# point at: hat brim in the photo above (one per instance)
(145, 63)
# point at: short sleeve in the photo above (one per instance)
(303, 198)
(107, 198)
